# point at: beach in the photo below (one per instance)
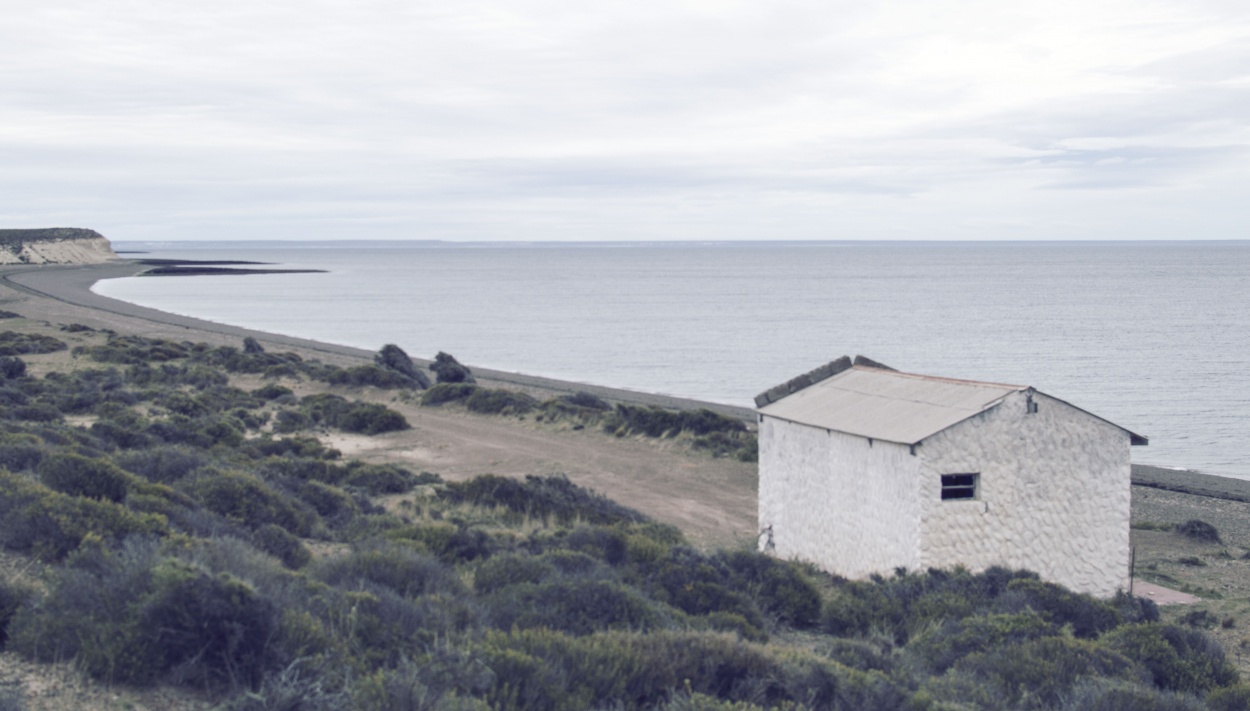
(711, 500)
(62, 294)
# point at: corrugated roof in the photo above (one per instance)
(891, 406)
(888, 405)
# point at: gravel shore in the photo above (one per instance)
(62, 294)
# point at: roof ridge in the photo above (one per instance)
(943, 379)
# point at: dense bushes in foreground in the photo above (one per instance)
(192, 536)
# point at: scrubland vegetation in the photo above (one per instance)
(182, 530)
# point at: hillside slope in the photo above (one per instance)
(54, 245)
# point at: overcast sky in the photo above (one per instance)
(696, 119)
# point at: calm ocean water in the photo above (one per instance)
(1152, 336)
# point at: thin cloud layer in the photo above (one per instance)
(641, 120)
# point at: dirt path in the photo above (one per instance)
(711, 500)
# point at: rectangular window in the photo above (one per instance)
(959, 486)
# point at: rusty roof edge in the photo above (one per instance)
(824, 372)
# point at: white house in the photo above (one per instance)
(864, 469)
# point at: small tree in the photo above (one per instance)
(394, 358)
(449, 370)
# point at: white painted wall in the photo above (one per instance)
(1054, 495)
(833, 500)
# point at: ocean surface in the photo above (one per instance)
(1152, 336)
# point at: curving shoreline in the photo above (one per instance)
(63, 293)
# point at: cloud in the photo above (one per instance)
(486, 120)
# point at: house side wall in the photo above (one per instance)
(835, 500)
(1054, 495)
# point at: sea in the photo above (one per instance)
(1153, 336)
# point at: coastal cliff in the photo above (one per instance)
(54, 245)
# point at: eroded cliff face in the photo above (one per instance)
(55, 245)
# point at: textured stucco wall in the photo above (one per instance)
(833, 500)
(1054, 495)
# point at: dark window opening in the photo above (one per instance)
(959, 486)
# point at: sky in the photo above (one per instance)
(640, 120)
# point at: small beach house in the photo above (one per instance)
(863, 469)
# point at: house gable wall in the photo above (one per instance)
(1054, 495)
(838, 501)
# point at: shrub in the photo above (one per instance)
(13, 343)
(163, 464)
(449, 370)
(275, 541)
(499, 402)
(379, 479)
(363, 375)
(272, 391)
(12, 368)
(1199, 531)
(1043, 670)
(447, 392)
(587, 400)
(136, 618)
(777, 587)
(554, 496)
(1178, 658)
(394, 358)
(135, 350)
(51, 524)
(513, 569)
(1089, 617)
(578, 607)
(20, 453)
(80, 476)
(371, 419)
(288, 421)
(244, 499)
(390, 565)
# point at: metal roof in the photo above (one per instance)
(891, 406)
(888, 405)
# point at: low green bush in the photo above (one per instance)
(12, 368)
(80, 476)
(50, 524)
(379, 479)
(134, 350)
(444, 393)
(246, 500)
(577, 607)
(1199, 531)
(449, 370)
(13, 343)
(392, 357)
(487, 401)
(370, 418)
(138, 618)
(391, 565)
(277, 542)
(554, 496)
(1178, 658)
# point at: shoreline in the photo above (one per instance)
(63, 293)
